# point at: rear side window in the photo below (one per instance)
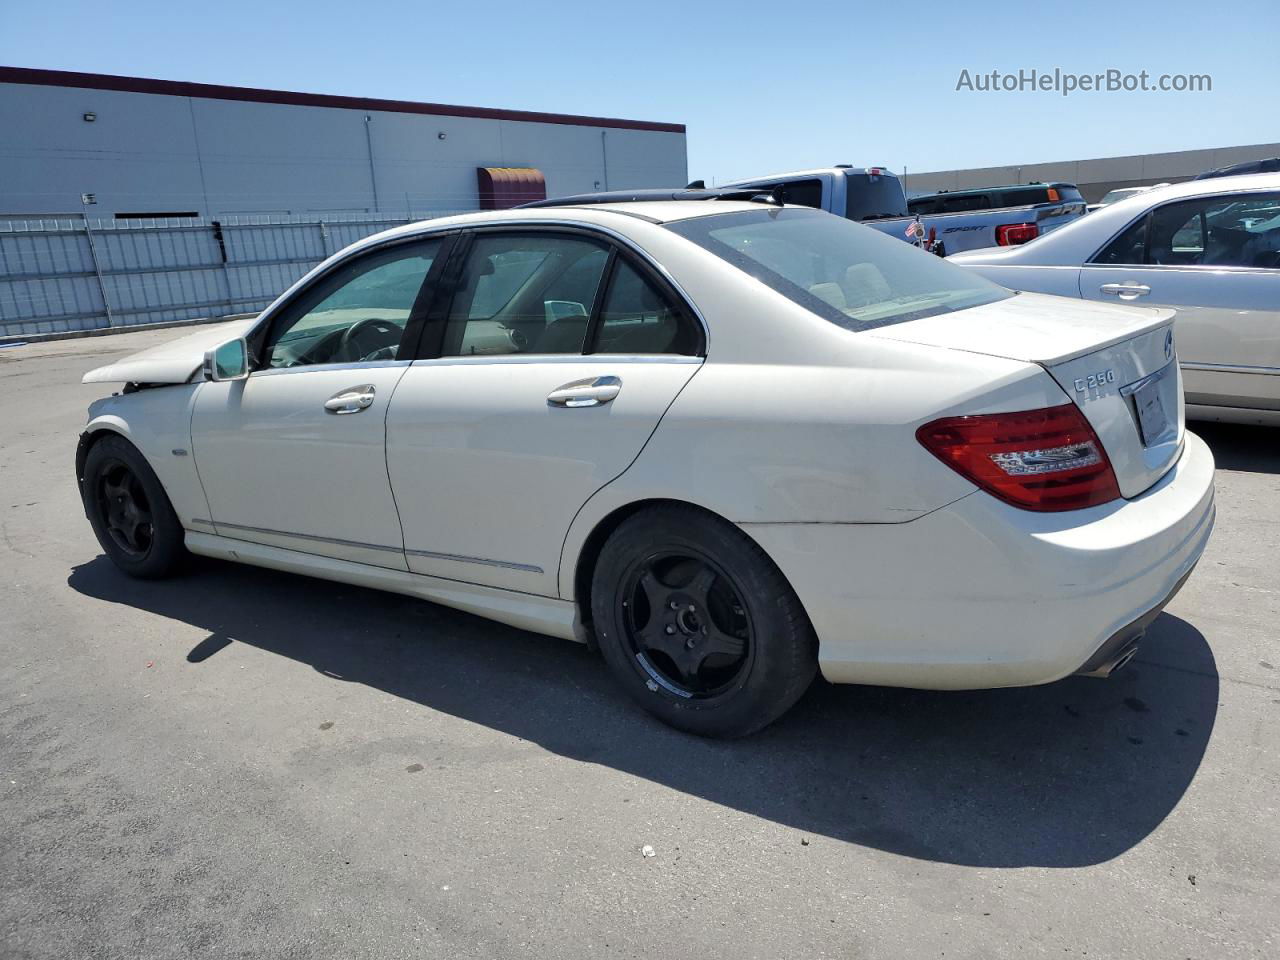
(1230, 231)
(1024, 196)
(965, 201)
(637, 319)
(1128, 248)
(852, 275)
(804, 193)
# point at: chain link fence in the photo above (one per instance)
(66, 273)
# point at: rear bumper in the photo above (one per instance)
(1106, 658)
(981, 594)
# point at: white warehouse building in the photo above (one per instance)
(129, 147)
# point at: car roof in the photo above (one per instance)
(1269, 165)
(1203, 188)
(609, 215)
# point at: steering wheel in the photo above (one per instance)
(348, 348)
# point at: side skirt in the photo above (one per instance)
(556, 618)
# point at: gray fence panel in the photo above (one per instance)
(47, 278)
(67, 273)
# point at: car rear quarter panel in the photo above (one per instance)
(819, 443)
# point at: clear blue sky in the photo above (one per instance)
(761, 86)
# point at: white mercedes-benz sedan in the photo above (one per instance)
(730, 442)
(1210, 249)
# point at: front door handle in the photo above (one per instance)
(591, 392)
(351, 400)
(1126, 291)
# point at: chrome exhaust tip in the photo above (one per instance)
(1114, 664)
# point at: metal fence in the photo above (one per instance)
(68, 273)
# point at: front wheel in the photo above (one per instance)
(698, 624)
(129, 511)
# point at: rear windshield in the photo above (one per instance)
(869, 196)
(856, 277)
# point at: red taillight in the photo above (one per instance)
(1035, 459)
(1012, 234)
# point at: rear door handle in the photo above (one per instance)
(1126, 291)
(351, 400)
(591, 392)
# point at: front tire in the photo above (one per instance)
(129, 511)
(698, 624)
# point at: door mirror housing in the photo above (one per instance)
(229, 361)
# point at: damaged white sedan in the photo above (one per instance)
(732, 443)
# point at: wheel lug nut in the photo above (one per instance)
(670, 629)
(674, 605)
(688, 644)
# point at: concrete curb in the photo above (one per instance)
(17, 338)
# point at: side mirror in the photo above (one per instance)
(230, 361)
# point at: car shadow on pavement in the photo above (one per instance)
(1240, 447)
(1065, 775)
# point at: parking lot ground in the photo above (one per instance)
(241, 763)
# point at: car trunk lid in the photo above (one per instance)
(1117, 364)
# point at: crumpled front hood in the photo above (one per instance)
(172, 362)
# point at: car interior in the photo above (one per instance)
(1234, 233)
(539, 302)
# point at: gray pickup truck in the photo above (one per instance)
(874, 196)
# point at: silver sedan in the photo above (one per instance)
(1211, 249)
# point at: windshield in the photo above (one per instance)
(856, 277)
(869, 196)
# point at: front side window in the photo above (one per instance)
(856, 277)
(524, 293)
(1243, 231)
(357, 312)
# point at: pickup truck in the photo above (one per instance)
(874, 196)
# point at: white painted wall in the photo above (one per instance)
(153, 152)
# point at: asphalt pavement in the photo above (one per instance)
(242, 763)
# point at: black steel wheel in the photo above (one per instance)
(128, 509)
(124, 506)
(685, 625)
(698, 624)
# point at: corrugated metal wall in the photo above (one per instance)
(64, 274)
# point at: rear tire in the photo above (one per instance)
(698, 624)
(129, 511)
